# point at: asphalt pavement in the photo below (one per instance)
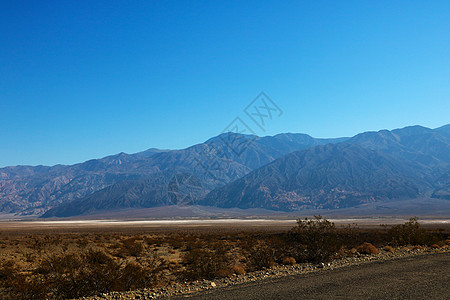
(418, 277)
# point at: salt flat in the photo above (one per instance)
(204, 224)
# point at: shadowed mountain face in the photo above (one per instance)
(404, 163)
(220, 160)
(442, 187)
(331, 176)
(32, 190)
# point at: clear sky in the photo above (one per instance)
(85, 79)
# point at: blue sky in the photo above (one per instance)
(85, 79)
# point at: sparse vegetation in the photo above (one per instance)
(70, 265)
(205, 263)
(411, 233)
(261, 256)
(317, 239)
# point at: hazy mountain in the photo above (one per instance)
(143, 193)
(419, 155)
(442, 187)
(444, 129)
(218, 161)
(32, 190)
(386, 165)
(330, 176)
(414, 144)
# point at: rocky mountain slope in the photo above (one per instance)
(331, 176)
(406, 163)
(218, 161)
(372, 166)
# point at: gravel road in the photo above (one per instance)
(416, 277)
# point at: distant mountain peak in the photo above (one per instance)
(444, 129)
(294, 171)
(412, 130)
(230, 136)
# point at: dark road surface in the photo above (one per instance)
(419, 277)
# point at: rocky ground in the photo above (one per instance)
(180, 289)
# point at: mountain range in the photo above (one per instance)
(288, 172)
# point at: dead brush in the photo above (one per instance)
(18, 285)
(237, 269)
(261, 256)
(367, 248)
(388, 249)
(130, 247)
(289, 261)
(204, 263)
(71, 275)
(411, 233)
(317, 239)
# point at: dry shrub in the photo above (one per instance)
(441, 243)
(341, 253)
(351, 252)
(7, 270)
(417, 248)
(130, 247)
(227, 272)
(289, 261)
(82, 243)
(131, 277)
(388, 249)
(367, 248)
(435, 246)
(261, 256)
(205, 263)
(238, 269)
(317, 239)
(173, 262)
(68, 276)
(19, 286)
(176, 241)
(411, 233)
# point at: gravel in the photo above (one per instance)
(277, 271)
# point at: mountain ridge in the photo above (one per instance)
(52, 186)
(330, 176)
(213, 164)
